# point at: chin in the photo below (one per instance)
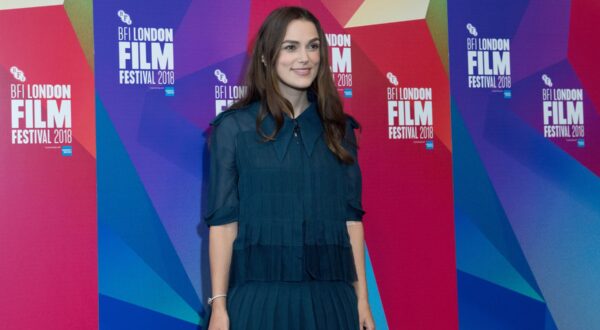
(299, 85)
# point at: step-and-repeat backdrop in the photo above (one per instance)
(479, 152)
(526, 134)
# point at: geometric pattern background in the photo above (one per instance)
(152, 158)
(48, 237)
(486, 225)
(526, 207)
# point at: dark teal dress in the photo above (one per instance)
(292, 265)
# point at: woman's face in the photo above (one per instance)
(299, 57)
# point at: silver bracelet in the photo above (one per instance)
(210, 300)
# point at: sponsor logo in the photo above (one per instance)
(547, 81)
(472, 30)
(392, 79)
(17, 74)
(125, 18)
(221, 76)
(67, 151)
(429, 144)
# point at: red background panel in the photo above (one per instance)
(48, 244)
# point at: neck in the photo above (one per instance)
(298, 99)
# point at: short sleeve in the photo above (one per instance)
(354, 209)
(223, 199)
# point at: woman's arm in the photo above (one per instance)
(356, 233)
(357, 240)
(220, 249)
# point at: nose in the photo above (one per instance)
(303, 55)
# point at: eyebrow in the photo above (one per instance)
(297, 42)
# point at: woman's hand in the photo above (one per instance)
(219, 319)
(365, 317)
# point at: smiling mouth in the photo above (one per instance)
(302, 71)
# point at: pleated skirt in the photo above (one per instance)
(309, 305)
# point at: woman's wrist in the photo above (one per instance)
(219, 304)
(211, 299)
(363, 299)
(360, 291)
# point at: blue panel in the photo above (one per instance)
(483, 305)
(124, 207)
(118, 315)
(474, 195)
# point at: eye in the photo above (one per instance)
(314, 46)
(289, 47)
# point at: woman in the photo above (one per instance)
(286, 237)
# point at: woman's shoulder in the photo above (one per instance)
(352, 122)
(240, 116)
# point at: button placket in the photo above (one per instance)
(296, 131)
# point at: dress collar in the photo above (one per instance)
(310, 126)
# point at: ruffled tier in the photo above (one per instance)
(279, 251)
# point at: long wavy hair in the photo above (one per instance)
(263, 82)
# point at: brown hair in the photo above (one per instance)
(262, 81)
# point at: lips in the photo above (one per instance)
(302, 71)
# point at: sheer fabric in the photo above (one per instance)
(292, 265)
